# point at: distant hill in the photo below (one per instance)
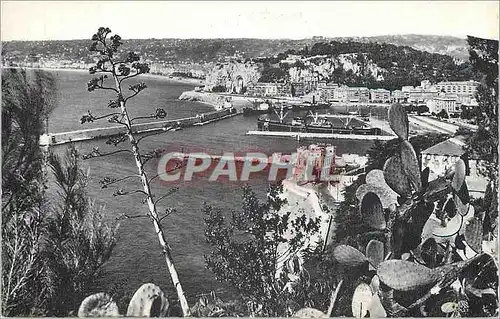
(452, 46)
(213, 50)
(349, 62)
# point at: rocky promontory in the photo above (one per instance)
(217, 99)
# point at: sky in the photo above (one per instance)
(65, 20)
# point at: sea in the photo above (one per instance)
(137, 257)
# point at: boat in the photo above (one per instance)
(312, 123)
(263, 108)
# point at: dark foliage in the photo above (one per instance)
(245, 251)
(402, 65)
(78, 242)
(484, 143)
(27, 99)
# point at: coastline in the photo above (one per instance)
(188, 81)
(216, 99)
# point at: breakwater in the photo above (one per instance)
(156, 126)
(301, 135)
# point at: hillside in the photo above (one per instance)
(212, 50)
(452, 46)
(367, 64)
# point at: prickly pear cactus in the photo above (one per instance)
(398, 121)
(148, 301)
(405, 275)
(459, 176)
(410, 164)
(474, 234)
(395, 176)
(385, 194)
(372, 211)
(361, 300)
(430, 223)
(375, 252)
(309, 313)
(348, 256)
(98, 305)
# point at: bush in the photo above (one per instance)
(219, 88)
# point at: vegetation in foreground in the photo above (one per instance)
(54, 239)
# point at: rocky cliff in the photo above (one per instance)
(233, 76)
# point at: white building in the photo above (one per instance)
(444, 155)
(462, 87)
(447, 102)
(380, 96)
(465, 90)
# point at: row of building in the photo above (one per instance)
(448, 96)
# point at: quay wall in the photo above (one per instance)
(299, 135)
(103, 132)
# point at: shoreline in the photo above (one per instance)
(188, 81)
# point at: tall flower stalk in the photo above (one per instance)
(120, 69)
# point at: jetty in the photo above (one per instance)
(139, 128)
(299, 135)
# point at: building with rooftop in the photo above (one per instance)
(444, 155)
(380, 96)
(447, 102)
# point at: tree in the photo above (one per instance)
(442, 114)
(40, 238)
(120, 69)
(484, 144)
(246, 250)
(26, 100)
(78, 241)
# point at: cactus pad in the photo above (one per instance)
(452, 227)
(375, 177)
(395, 176)
(361, 300)
(405, 275)
(429, 252)
(375, 284)
(462, 208)
(309, 313)
(450, 208)
(437, 189)
(375, 252)
(349, 256)
(98, 305)
(148, 301)
(376, 308)
(459, 176)
(410, 165)
(449, 307)
(474, 234)
(385, 194)
(398, 120)
(372, 211)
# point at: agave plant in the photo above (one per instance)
(425, 243)
(148, 301)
